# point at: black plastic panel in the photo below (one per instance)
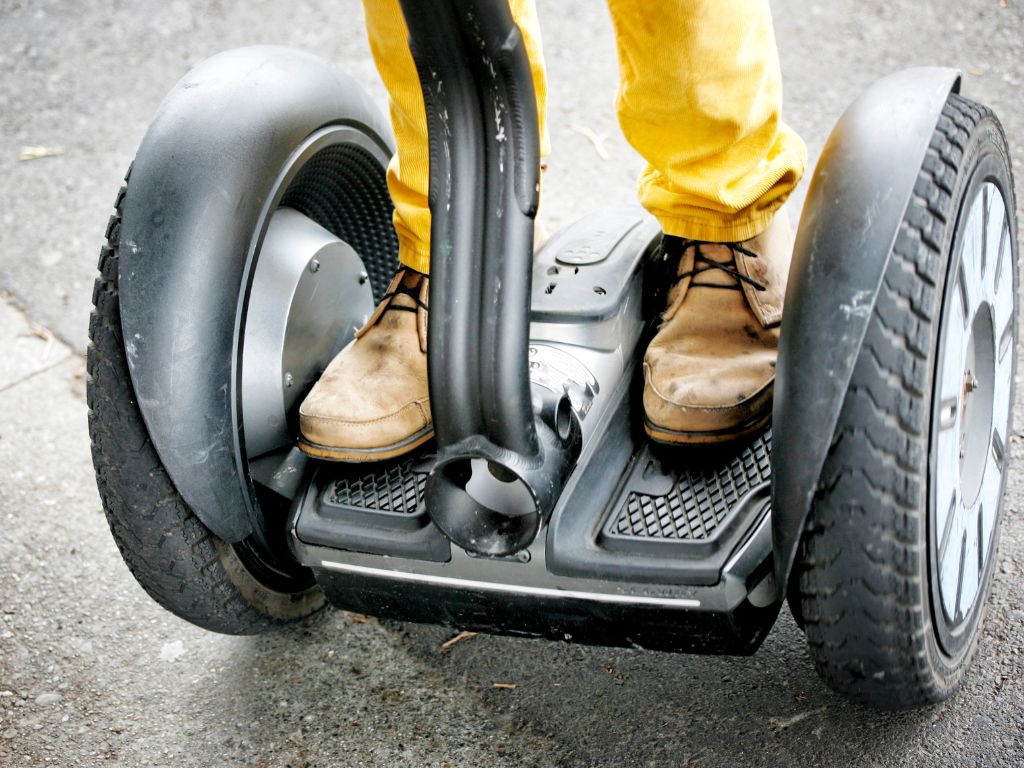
(683, 502)
(737, 629)
(582, 273)
(375, 508)
(204, 181)
(700, 505)
(847, 229)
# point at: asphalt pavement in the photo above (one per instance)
(92, 672)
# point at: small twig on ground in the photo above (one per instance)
(46, 335)
(783, 723)
(37, 152)
(506, 686)
(597, 139)
(446, 646)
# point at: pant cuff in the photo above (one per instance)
(717, 231)
(414, 255)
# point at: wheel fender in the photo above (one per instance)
(851, 217)
(204, 177)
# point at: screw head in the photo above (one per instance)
(363, 277)
(288, 380)
(314, 265)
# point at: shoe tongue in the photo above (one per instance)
(412, 279)
(708, 275)
(403, 300)
(411, 293)
(407, 291)
(718, 253)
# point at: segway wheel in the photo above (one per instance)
(896, 564)
(239, 588)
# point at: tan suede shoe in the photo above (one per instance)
(709, 373)
(372, 402)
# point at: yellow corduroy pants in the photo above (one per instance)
(700, 97)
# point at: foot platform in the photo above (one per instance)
(648, 546)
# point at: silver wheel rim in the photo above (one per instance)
(293, 328)
(973, 389)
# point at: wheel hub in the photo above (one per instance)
(973, 388)
(309, 296)
(976, 403)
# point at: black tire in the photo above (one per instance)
(230, 588)
(865, 582)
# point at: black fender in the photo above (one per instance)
(207, 174)
(851, 217)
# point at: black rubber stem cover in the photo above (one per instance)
(484, 171)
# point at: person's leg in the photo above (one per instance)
(700, 97)
(372, 401)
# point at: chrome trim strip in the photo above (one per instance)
(448, 581)
(766, 521)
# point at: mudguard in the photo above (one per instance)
(206, 177)
(856, 202)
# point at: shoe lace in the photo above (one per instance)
(702, 263)
(413, 292)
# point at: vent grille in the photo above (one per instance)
(344, 189)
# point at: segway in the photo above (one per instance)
(253, 238)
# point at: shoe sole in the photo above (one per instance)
(359, 455)
(674, 437)
(657, 434)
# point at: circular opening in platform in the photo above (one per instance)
(484, 507)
